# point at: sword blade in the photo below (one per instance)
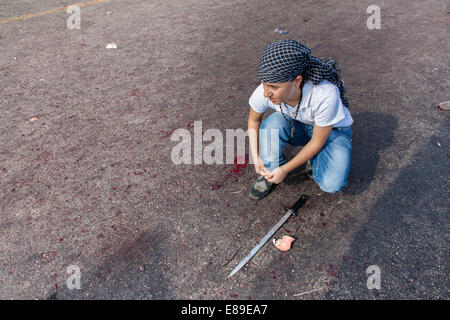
(262, 242)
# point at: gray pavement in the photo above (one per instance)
(90, 181)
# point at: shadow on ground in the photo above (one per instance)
(372, 133)
(413, 265)
(138, 270)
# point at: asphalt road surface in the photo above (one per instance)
(87, 180)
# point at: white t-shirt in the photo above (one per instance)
(321, 105)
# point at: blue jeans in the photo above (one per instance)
(331, 166)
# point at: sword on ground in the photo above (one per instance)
(289, 211)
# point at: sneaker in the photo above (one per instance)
(308, 170)
(260, 188)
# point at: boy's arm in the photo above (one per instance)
(254, 121)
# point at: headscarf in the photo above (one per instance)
(284, 60)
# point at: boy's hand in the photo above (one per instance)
(260, 168)
(276, 176)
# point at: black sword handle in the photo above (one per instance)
(298, 204)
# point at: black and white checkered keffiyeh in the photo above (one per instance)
(284, 60)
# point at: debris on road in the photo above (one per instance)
(238, 191)
(303, 293)
(111, 45)
(33, 119)
(439, 144)
(281, 31)
(444, 106)
(283, 244)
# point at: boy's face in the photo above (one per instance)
(288, 92)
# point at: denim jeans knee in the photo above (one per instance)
(331, 166)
